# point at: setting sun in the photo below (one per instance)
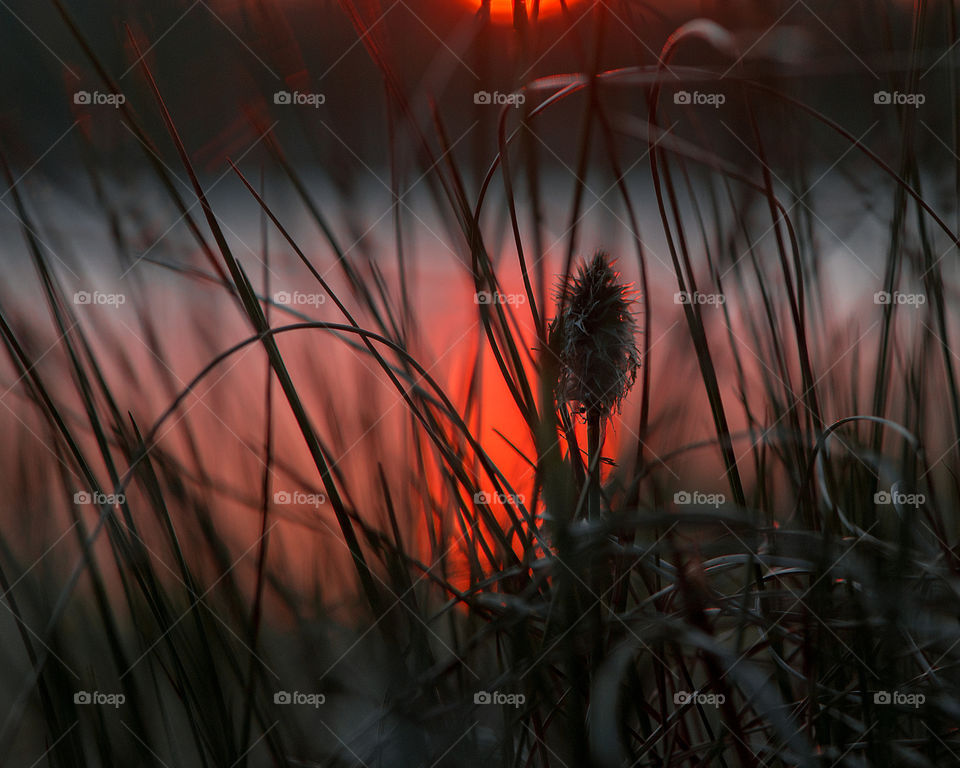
(501, 11)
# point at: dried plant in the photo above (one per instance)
(594, 337)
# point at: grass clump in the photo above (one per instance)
(768, 574)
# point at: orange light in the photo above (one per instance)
(501, 11)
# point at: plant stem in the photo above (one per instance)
(593, 459)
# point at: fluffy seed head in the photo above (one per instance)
(594, 334)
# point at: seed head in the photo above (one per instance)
(594, 334)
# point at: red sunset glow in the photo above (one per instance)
(501, 11)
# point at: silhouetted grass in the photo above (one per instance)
(768, 573)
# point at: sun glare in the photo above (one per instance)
(501, 11)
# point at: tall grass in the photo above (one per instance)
(758, 565)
